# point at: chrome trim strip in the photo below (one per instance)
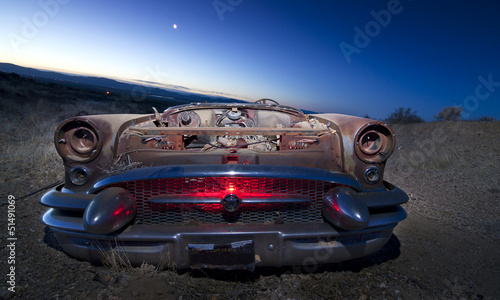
(276, 199)
(391, 197)
(181, 199)
(383, 219)
(65, 201)
(62, 220)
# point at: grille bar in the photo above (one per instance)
(152, 211)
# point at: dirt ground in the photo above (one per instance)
(447, 248)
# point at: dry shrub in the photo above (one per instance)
(450, 113)
(486, 119)
(402, 115)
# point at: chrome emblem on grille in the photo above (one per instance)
(231, 202)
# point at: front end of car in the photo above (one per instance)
(229, 186)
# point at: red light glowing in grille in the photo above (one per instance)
(217, 188)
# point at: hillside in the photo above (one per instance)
(140, 89)
(446, 249)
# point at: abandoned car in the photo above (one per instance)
(230, 186)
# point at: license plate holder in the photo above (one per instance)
(236, 255)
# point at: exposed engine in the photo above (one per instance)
(252, 142)
(233, 117)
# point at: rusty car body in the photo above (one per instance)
(230, 186)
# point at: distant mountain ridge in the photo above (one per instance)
(110, 84)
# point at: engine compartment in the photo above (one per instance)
(238, 118)
(232, 117)
(255, 127)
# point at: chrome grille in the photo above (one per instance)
(214, 213)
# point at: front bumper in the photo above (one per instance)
(271, 244)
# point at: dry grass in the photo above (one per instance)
(114, 260)
(30, 112)
(121, 165)
(27, 142)
(119, 262)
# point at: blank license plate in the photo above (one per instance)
(237, 255)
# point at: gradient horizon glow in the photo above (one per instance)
(354, 57)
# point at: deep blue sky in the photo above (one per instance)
(427, 56)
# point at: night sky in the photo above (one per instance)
(355, 57)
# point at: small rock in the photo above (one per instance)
(123, 282)
(104, 278)
(364, 296)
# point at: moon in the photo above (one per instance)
(175, 26)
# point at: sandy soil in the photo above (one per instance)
(447, 248)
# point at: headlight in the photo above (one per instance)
(370, 142)
(82, 140)
(374, 143)
(78, 140)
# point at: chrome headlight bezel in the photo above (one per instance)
(374, 142)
